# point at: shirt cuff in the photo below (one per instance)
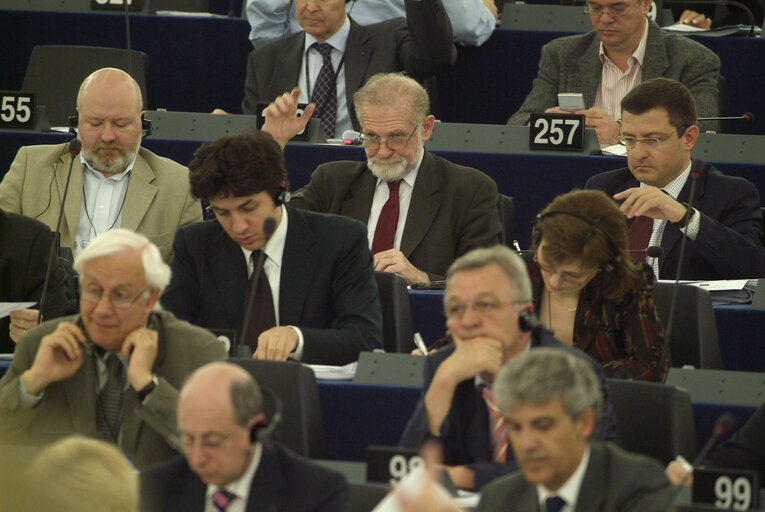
(28, 400)
(297, 355)
(692, 229)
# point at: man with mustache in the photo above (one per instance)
(115, 182)
(421, 211)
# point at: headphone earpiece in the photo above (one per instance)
(283, 196)
(527, 321)
(146, 126)
(75, 119)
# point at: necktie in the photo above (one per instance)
(110, 400)
(554, 504)
(385, 231)
(499, 433)
(639, 235)
(325, 90)
(221, 499)
(262, 316)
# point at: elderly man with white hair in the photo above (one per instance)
(114, 370)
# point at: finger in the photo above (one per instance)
(295, 94)
(307, 113)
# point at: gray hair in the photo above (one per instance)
(543, 374)
(114, 241)
(388, 89)
(504, 258)
(246, 399)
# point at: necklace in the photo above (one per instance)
(549, 308)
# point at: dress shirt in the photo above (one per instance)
(673, 188)
(570, 490)
(240, 487)
(615, 83)
(103, 199)
(382, 192)
(472, 22)
(315, 61)
(272, 268)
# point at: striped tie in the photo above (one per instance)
(221, 500)
(498, 427)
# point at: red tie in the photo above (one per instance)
(640, 235)
(499, 433)
(385, 231)
(262, 316)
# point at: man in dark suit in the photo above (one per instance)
(24, 248)
(723, 228)
(319, 303)
(551, 401)
(442, 210)
(419, 45)
(220, 411)
(489, 315)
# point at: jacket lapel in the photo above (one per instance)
(587, 77)
(360, 196)
(658, 64)
(300, 251)
(265, 491)
(73, 205)
(671, 236)
(140, 194)
(282, 80)
(594, 486)
(228, 270)
(423, 207)
(82, 406)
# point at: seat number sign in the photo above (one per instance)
(17, 110)
(557, 132)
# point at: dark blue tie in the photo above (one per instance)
(325, 90)
(554, 504)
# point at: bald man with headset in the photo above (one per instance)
(229, 463)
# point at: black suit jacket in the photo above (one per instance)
(420, 48)
(614, 481)
(452, 211)
(24, 248)
(327, 285)
(283, 482)
(728, 243)
(465, 431)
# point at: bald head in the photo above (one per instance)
(113, 82)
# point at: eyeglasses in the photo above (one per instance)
(615, 11)
(320, 2)
(481, 307)
(395, 142)
(118, 300)
(651, 142)
(566, 275)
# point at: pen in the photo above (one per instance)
(686, 465)
(420, 344)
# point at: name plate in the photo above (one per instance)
(261, 120)
(727, 489)
(389, 464)
(557, 132)
(115, 5)
(17, 110)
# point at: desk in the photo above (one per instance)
(739, 329)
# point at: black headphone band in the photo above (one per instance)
(75, 120)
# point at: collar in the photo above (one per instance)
(338, 40)
(274, 248)
(674, 187)
(411, 176)
(241, 486)
(570, 490)
(117, 177)
(638, 54)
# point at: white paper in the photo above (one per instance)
(327, 372)
(7, 307)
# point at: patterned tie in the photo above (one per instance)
(110, 400)
(554, 504)
(221, 499)
(499, 432)
(639, 235)
(385, 231)
(325, 90)
(262, 316)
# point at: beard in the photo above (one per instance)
(114, 164)
(394, 167)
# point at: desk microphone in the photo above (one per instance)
(74, 149)
(242, 350)
(652, 251)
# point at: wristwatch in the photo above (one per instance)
(148, 388)
(687, 217)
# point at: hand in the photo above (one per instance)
(492, 6)
(282, 120)
(427, 496)
(605, 128)
(59, 356)
(557, 110)
(651, 202)
(462, 477)
(218, 111)
(475, 356)
(277, 343)
(140, 347)
(21, 321)
(695, 19)
(677, 474)
(394, 261)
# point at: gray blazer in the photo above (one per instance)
(571, 64)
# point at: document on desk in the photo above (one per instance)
(412, 483)
(7, 307)
(739, 291)
(326, 372)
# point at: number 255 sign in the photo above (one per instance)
(557, 132)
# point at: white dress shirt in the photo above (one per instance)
(570, 490)
(240, 487)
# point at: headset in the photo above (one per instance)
(282, 196)
(75, 119)
(261, 432)
(527, 321)
(537, 231)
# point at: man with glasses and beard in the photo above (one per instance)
(623, 49)
(421, 211)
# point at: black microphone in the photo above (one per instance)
(74, 149)
(652, 251)
(747, 117)
(242, 350)
(724, 3)
(696, 168)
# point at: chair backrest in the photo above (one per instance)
(507, 218)
(301, 427)
(694, 331)
(364, 497)
(55, 73)
(396, 312)
(762, 222)
(654, 419)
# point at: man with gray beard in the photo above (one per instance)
(421, 211)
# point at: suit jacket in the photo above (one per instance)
(24, 248)
(283, 481)
(419, 45)
(157, 203)
(745, 449)
(69, 406)
(452, 211)
(728, 244)
(614, 481)
(327, 285)
(571, 64)
(465, 431)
